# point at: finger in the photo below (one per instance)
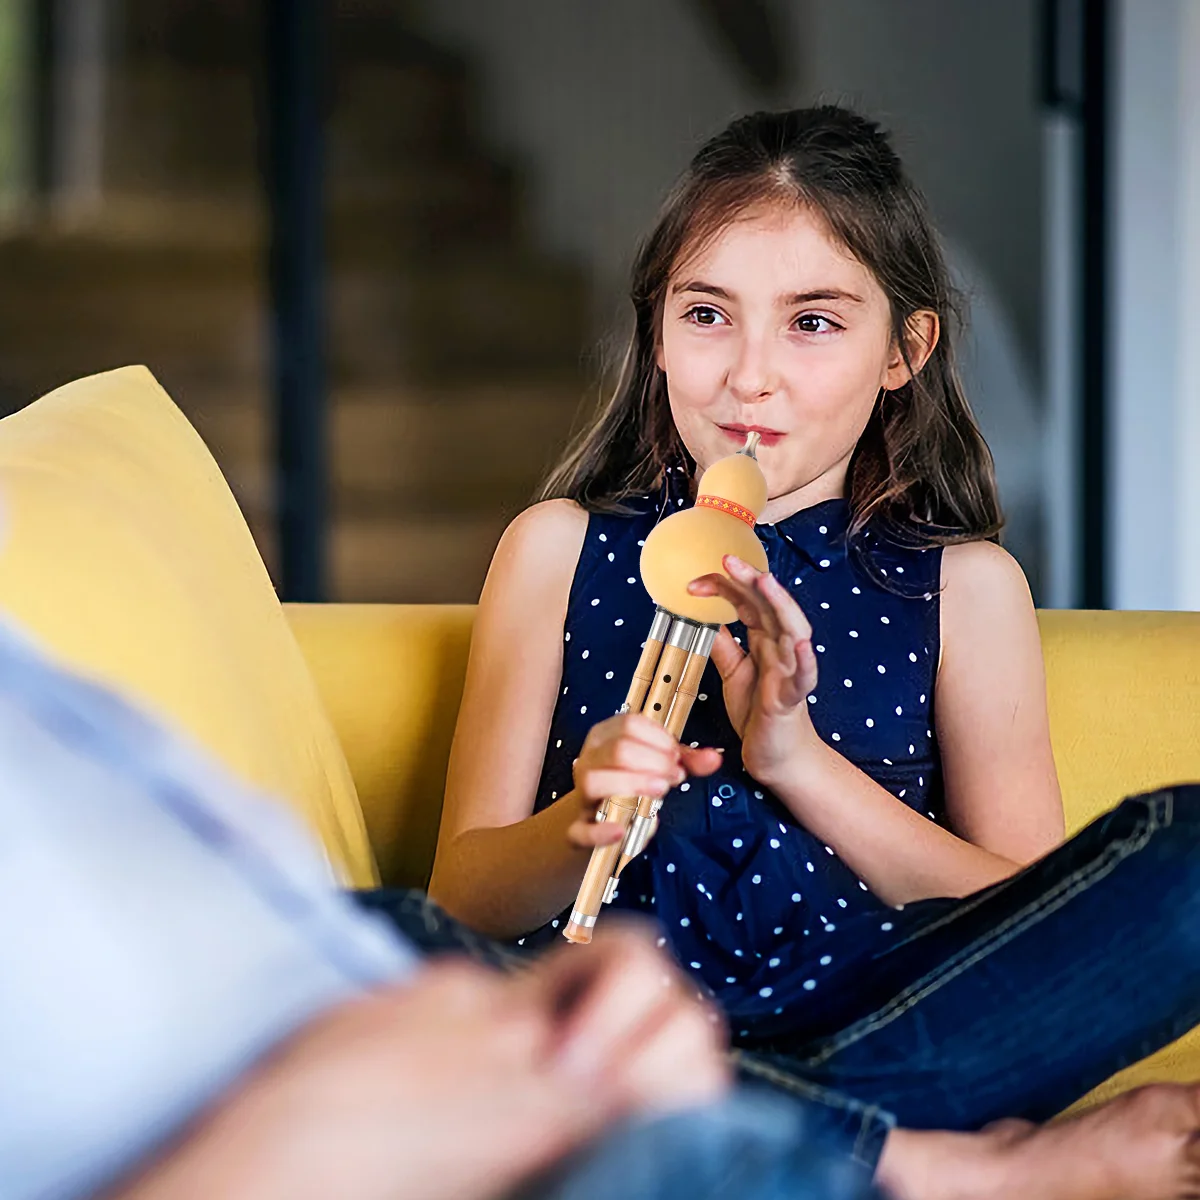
(726, 654)
(774, 682)
(749, 578)
(641, 729)
(627, 727)
(752, 608)
(676, 1060)
(792, 691)
(625, 983)
(789, 615)
(637, 757)
(776, 692)
(738, 589)
(598, 785)
(806, 666)
(702, 761)
(587, 835)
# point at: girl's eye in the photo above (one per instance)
(811, 323)
(701, 314)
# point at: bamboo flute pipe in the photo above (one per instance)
(643, 674)
(657, 706)
(642, 826)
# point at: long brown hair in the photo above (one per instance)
(921, 467)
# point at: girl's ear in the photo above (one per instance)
(921, 333)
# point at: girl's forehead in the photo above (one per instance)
(792, 245)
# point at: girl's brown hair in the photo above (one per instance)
(921, 468)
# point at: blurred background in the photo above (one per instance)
(376, 249)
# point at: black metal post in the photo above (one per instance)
(294, 170)
(1094, 307)
(43, 66)
(1077, 68)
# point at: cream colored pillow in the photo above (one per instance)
(123, 552)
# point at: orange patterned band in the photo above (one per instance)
(728, 506)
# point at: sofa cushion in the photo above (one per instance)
(124, 553)
(410, 660)
(1124, 690)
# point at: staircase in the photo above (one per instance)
(454, 345)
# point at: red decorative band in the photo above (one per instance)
(728, 506)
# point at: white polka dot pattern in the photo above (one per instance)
(737, 899)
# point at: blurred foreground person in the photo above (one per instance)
(188, 1008)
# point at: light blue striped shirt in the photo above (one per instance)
(161, 927)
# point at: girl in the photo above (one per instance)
(872, 739)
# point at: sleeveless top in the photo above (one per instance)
(764, 916)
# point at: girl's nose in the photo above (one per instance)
(751, 378)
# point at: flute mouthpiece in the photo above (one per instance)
(751, 446)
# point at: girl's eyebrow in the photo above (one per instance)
(698, 285)
(822, 294)
(712, 289)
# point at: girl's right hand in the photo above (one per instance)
(628, 755)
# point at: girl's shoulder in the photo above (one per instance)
(534, 561)
(548, 546)
(564, 522)
(979, 571)
(546, 527)
(985, 601)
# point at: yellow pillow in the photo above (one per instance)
(123, 552)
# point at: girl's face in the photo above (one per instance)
(774, 327)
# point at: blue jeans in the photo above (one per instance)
(753, 1147)
(1013, 1002)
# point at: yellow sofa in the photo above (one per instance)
(1124, 713)
(123, 553)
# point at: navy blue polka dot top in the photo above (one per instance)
(756, 908)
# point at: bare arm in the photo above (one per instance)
(993, 729)
(498, 868)
(1002, 789)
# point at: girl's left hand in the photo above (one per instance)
(766, 689)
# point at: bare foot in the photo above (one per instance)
(1144, 1145)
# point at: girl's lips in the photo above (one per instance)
(737, 433)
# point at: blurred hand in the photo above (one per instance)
(632, 1023)
(457, 1086)
(628, 755)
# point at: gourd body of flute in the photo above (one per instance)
(686, 545)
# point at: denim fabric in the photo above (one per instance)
(754, 1147)
(1013, 1002)
(1018, 1000)
(855, 1131)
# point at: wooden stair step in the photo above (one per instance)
(409, 451)
(421, 559)
(477, 315)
